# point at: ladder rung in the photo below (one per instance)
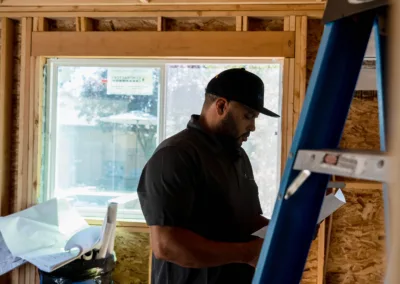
(362, 165)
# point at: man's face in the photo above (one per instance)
(238, 121)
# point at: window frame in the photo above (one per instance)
(50, 114)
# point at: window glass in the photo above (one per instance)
(105, 129)
(103, 124)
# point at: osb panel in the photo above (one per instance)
(274, 25)
(62, 25)
(314, 34)
(125, 25)
(362, 125)
(356, 252)
(201, 24)
(132, 250)
(310, 271)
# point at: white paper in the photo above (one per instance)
(7, 261)
(41, 229)
(50, 262)
(332, 202)
(261, 233)
(79, 244)
(85, 240)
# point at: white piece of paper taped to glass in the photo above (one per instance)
(332, 202)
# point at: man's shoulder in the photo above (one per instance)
(186, 141)
(178, 151)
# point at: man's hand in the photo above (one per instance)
(254, 248)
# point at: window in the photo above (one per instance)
(104, 119)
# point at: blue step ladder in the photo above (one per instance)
(348, 26)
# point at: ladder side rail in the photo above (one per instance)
(320, 125)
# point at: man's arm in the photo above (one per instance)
(188, 249)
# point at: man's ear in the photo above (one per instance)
(221, 105)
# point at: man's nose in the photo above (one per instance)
(253, 126)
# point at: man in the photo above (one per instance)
(198, 193)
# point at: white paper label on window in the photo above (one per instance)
(128, 81)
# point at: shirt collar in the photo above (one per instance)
(219, 143)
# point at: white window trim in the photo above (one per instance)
(51, 112)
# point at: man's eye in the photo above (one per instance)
(249, 116)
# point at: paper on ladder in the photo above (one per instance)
(332, 202)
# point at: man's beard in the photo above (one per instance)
(228, 128)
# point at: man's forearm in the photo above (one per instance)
(188, 249)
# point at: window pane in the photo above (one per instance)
(106, 129)
(185, 96)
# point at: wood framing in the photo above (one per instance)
(300, 68)
(158, 2)
(321, 253)
(25, 192)
(287, 100)
(23, 127)
(84, 24)
(168, 44)
(6, 77)
(364, 185)
(40, 24)
(161, 23)
(239, 23)
(314, 10)
(136, 227)
(294, 83)
(393, 272)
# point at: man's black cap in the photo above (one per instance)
(242, 86)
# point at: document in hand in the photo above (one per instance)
(48, 235)
(332, 202)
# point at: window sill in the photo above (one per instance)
(134, 226)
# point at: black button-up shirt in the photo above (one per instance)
(205, 184)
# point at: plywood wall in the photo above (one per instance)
(358, 239)
(362, 125)
(132, 250)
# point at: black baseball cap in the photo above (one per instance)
(242, 86)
